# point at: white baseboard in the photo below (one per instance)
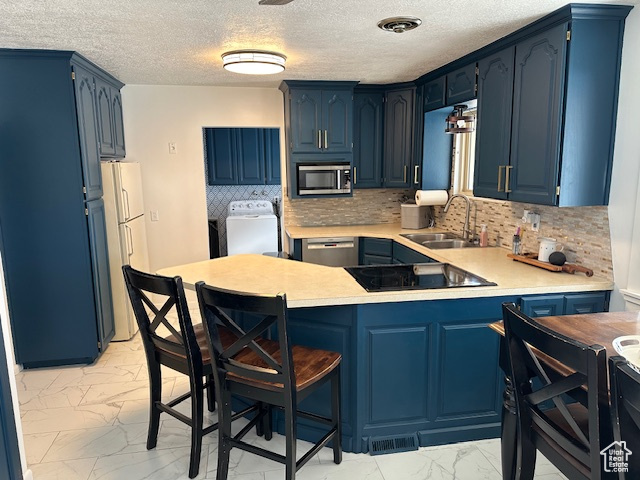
(28, 475)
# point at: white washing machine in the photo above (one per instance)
(252, 227)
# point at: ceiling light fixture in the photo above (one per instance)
(253, 62)
(399, 24)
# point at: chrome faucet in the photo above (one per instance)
(466, 233)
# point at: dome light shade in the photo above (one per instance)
(253, 62)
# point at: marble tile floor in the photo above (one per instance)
(90, 423)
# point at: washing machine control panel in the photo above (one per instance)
(250, 207)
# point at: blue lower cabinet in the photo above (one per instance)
(564, 304)
(586, 303)
(426, 369)
(542, 305)
(371, 259)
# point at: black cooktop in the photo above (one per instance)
(382, 278)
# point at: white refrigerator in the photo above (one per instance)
(126, 237)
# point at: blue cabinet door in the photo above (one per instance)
(436, 151)
(306, 121)
(493, 131)
(337, 121)
(367, 146)
(585, 303)
(105, 115)
(542, 305)
(118, 123)
(221, 160)
(272, 155)
(461, 85)
(85, 89)
(537, 117)
(100, 270)
(467, 383)
(398, 138)
(249, 156)
(434, 94)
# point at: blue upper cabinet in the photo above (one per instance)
(109, 117)
(434, 94)
(537, 117)
(557, 149)
(398, 137)
(86, 101)
(242, 156)
(250, 156)
(272, 156)
(493, 130)
(320, 117)
(368, 133)
(105, 116)
(461, 85)
(306, 121)
(337, 120)
(222, 168)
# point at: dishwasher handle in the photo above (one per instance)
(334, 242)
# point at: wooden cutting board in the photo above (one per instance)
(532, 259)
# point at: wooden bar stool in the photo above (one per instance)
(271, 372)
(185, 350)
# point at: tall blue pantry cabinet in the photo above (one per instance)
(54, 127)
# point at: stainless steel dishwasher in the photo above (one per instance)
(331, 251)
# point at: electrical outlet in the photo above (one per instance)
(535, 222)
(155, 216)
(173, 148)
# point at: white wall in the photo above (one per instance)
(174, 184)
(625, 194)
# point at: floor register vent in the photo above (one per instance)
(393, 444)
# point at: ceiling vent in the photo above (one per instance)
(399, 24)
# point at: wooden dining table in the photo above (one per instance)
(590, 329)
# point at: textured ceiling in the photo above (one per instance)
(172, 42)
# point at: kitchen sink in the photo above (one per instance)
(449, 243)
(429, 237)
(438, 241)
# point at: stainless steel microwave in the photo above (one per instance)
(323, 179)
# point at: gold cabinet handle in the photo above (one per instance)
(326, 139)
(355, 176)
(500, 167)
(405, 174)
(506, 178)
(320, 139)
(415, 174)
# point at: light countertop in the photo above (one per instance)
(307, 284)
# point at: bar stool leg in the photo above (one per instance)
(197, 405)
(211, 394)
(290, 431)
(155, 395)
(335, 416)
(224, 433)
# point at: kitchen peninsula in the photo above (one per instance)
(418, 365)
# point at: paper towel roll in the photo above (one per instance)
(431, 197)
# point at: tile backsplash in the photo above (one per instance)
(366, 207)
(584, 231)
